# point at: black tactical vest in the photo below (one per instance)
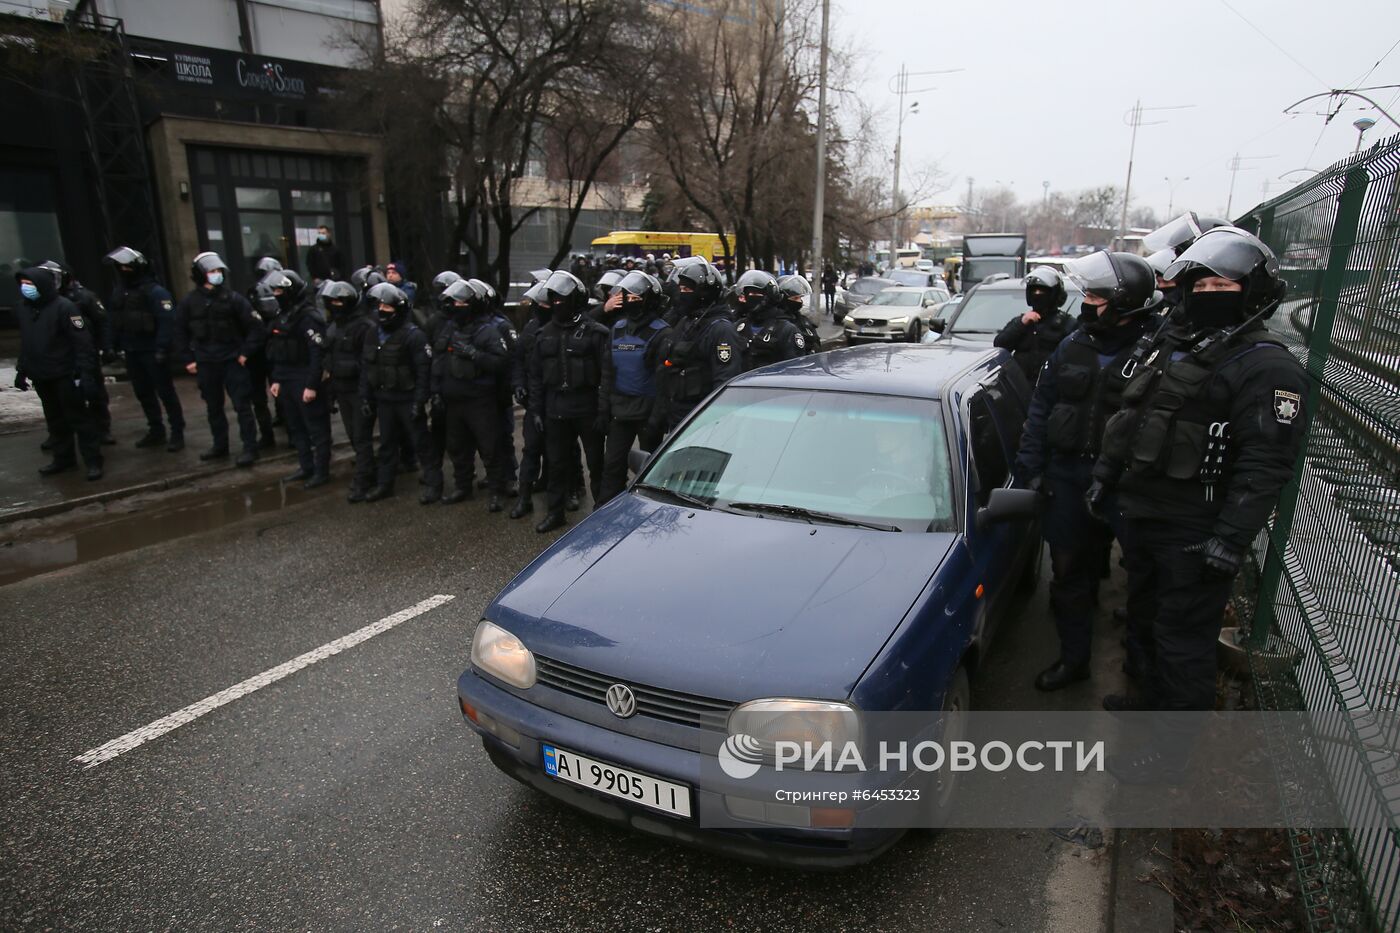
(134, 316)
(346, 345)
(570, 361)
(213, 319)
(1166, 427)
(1087, 396)
(285, 343)
(389, 364)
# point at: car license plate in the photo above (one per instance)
(605, 778)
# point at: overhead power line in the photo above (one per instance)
(1287, 54)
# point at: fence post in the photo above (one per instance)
(1343, 240)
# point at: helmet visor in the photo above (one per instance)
(1160, 260)
(1095, 273)
(563, 284)
(794, 285)
(208, 262)
(638, 283)
(126, 256)
(1173, 233)
(387, 294)
(1228, 252)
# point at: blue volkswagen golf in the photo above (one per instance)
(821, 539)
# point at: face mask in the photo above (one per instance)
(687, 303)
(1088, 313)
(389, 320)
(636, 310)
(215, 278)
(563, 314)
(30, 291)
(128, 275)
(1042, 303)
(1215, 309)
(322, 238)
(338, 309)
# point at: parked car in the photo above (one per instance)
(986, 309)
(858, 292)
(897, 313)
(917, 278)
(832, 536)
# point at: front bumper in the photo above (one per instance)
(876, 333)
(515, 729)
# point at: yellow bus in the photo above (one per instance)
(637, 243)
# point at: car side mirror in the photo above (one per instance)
(1009, 505)
(938, 324)
(637, 459)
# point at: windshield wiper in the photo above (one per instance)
(684, 497)
(810, 514)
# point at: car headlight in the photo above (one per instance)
(898, 321)
(501, 654)
(800, 721)
(848, 321)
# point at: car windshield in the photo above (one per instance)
(869, 286)
(986, 310)
(910, 277)
(872, 458)
(892, 297)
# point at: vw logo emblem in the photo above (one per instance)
(622, 701)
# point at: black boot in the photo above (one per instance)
(495, 505)
(177, 441)
(1060, 675)
(551, 521)
(247, 458)
(355, 496)
(300, 474)
(49, 469)
(94, 472)
(379, 492)
(317, 479)
(572, 504)
(214, 453)
(152, 438)
(267, 442)
(47, 445)
(429, 495)
(522, 508)
(459, 494)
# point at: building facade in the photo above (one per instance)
(177, 126)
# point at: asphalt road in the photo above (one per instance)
(350, 796)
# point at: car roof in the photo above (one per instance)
(1015, 285)
(904, 288)
(906, 369)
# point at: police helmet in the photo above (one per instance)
(755, 288)
(486, 292)
(266, 301)
(339, 297)
(1160, 260)
(205, 263)
(265, 265)
(793, 291)
(1181, 232)
(607, 282)
(641, 284)
(459, 291)
(535, 295)
(1045, 283)
(1124, 279)
(563, 289)
(1234, 254)
(539, 275)
(365, 278)
(391, 295)
(696, 273)
(285, 285)
(440, 283)
(62, 275)
(126, 256)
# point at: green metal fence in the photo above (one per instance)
(1325, 588)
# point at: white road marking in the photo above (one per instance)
(139, 737)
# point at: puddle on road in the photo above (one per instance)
(22, 559)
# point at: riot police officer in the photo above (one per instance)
(794, 292)
(505, 465)
(1079, 387)
(638, 338)
(142, 319)
(438, 316)
(216, 332)
(570, 374)
(344, 341)
(95, 318)
(56, 354)
(1031, 336)
(765, 331)
(269, 415)
(1213, 423)
(470, 355)
(296, 346)
(599, 308)
(534, 304)
(395, 381)
(703, 351)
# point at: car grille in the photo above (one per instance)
(871, 322)
(684, 708)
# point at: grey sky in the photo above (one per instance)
(1047, 86)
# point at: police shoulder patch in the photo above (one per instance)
(801, 342)
(724, 352)
(165, 304)
(1286, 406)
(428, 350)
(315, 337)
(513, 334)
(76, 320)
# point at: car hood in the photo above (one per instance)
(885, 312)
(733, 607)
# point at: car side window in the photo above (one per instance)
(989, 460)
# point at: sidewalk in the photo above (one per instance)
(24, 493)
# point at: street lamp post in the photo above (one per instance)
(1134, 119)
(819, 206)
(1171, 191)
(900, 87)
(1362, 124)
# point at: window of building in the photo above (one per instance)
(29, 231)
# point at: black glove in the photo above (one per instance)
(521, 395)
(436, 404)
(1096, 500)
(162, 357)
(1221, 558)
(366, 409)
(538, 421)
(21, 382)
